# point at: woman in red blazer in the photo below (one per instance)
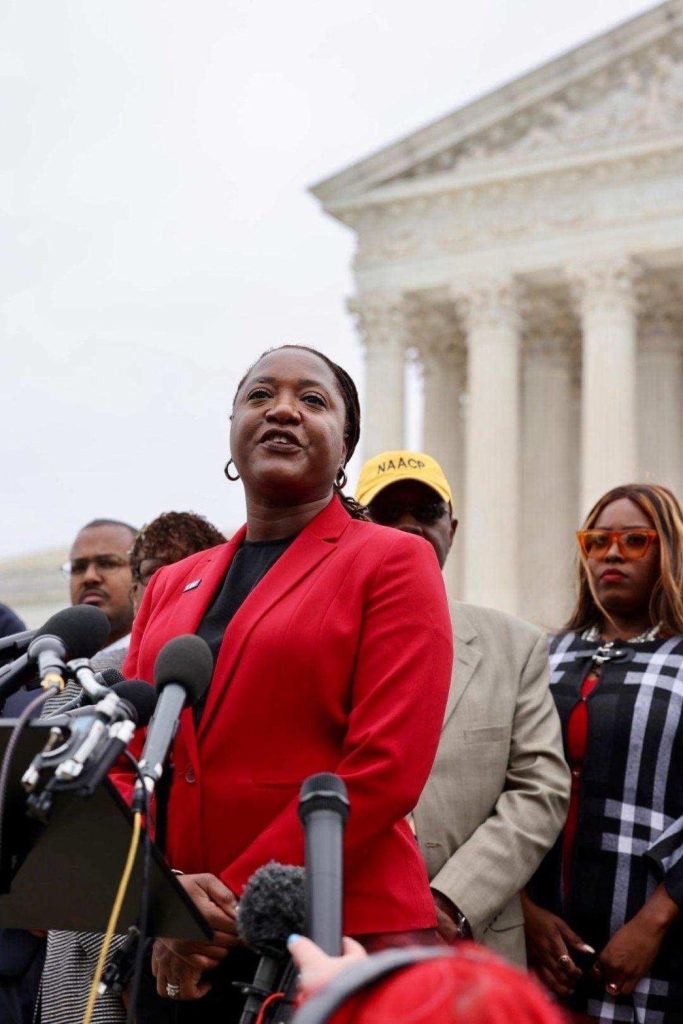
(336, 657)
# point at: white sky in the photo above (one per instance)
(156, 234)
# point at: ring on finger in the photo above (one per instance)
(172, 991)
(612, 988)
(564, 960)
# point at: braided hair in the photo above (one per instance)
(349, 395)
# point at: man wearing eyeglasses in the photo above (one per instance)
(497, 796)
(99, 573)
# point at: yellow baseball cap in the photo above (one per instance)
(390, 467)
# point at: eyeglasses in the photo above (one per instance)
(426, 512)
(632, 544)
(103, 564)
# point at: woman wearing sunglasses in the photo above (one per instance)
(602, 913)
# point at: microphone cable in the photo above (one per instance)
(12, 744)
(144, 901)
(114, 915)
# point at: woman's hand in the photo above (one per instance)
(630, 952)
(176, 962)
(550, 942)
(317, 968)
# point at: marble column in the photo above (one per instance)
(550, 478)
(442, 359)
(660, 387)
(381, 322)
(605, 298)
(491, 320)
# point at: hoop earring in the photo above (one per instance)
(226, 470)
(341, 480)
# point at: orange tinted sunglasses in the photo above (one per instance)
(632, 544)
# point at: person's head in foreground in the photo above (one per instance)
(466, 985)
(167, 539)
(409, 491)
(630, 570)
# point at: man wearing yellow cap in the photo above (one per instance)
(498, 792)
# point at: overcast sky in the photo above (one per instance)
(156, 230)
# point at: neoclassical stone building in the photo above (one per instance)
(527, 251)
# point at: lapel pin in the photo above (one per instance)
(193, 585)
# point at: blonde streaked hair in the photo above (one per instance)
(666, 600)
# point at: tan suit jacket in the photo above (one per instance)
(497, 795)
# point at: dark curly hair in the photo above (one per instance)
(172, 536)
(349, 395)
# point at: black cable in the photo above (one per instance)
(10, 750)
(144, 900)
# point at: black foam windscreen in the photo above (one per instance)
(110, 677)
(186, 660)
(140, 697)
(83, 629)
(272, 907)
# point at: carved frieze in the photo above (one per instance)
(637, 97)
(558, 202)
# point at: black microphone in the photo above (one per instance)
(81, 631)
(15, 644)
(182, 673)
(77, 632)
(110, 677)
(138, 697)
(84, 743)
(137, 701)
(270, 910)
(323, 810)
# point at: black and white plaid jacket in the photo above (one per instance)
(630, 829)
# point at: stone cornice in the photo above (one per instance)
(567, 201)
(514, 98)
(499, 172)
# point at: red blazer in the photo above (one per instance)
(339, 660)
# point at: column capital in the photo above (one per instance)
(550, 332)
(435, 334)
(488, 302)
(660, 307)
(604, 286)
(380, 318)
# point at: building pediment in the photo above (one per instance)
(623, 89)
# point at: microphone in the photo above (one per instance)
(136, 701)
(182, 673)
(323, 810)
(76, 632)
(81, 631)
(84, 743)
(110, 677)
(138, 698)
(15, 644)
(270, 910)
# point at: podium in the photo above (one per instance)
(64, 874)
